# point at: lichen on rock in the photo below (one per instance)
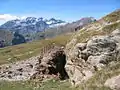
(92, 56)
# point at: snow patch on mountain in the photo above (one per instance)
(31, 24)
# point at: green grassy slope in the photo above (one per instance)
(114, 16)
(27, 50)
(30, 85)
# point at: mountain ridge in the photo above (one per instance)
(38, 28)
(30, 24)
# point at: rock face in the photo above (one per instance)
(86, 58)
(53, 63)
(113, 83)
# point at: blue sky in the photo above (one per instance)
(69, 10)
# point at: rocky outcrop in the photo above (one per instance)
(49, 66)
(83, 59)
(113, 83)
(21, 70)
(53, 63)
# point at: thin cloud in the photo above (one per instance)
(7, 17)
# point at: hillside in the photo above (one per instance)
(6, 36)
(27, 50)
(90, 53)
(91, 59)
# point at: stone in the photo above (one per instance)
(94, 55)
(113, 83)
(116, 32)
(20, 69)
(53, 62)
(100, 44)
(81, 46)
(10, 72)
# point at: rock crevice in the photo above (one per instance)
(53, 63)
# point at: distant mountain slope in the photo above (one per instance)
(36, 28)
(30, 25)
(69, 27)
(6, 36)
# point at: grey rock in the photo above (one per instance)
(113, 83)
(53, 62)
(21, 70)
(92, 56)
(100, 44)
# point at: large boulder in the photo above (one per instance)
(113, 83)
(100, 44)
(91, 56)
(116, 36)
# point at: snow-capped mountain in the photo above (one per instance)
(69, 27)
(30, 24)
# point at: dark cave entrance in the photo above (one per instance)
(59, 62)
